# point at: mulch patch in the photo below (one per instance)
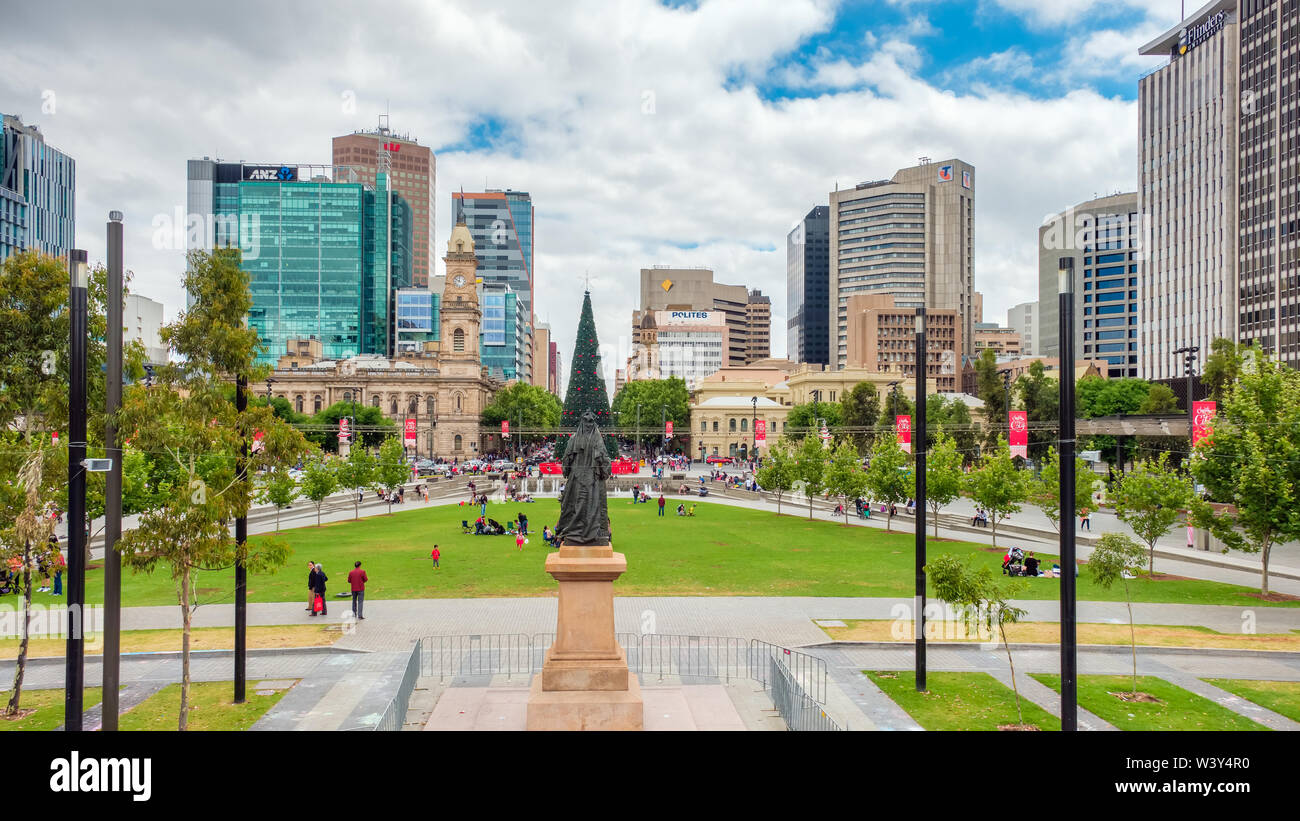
(1168, 577)
(1273, 596)
(1027, 728)
(18, 716)
(1145, 698)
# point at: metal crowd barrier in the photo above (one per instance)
(796, 707)
(809, 671)
(485, 654)
(395, 716)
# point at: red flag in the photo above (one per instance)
(668, 429)
(505, 427)
(410, 430)
(903, 424)
(1202, 416)
(760, 430)
(1019, 439)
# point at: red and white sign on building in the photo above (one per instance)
(760, 430)
(1019, 439)
(903, 425)
(1202, 416)
(505, 428)
(668, 429)
(410, 431)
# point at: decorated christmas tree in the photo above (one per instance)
(586, 384)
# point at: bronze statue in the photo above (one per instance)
(584, 517)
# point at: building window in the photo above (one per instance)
(412, 405)
(430, 406)
(458, 341)
(715, 426)
(458, 403)
(731, 425)
(316, 402)
(347, 396)
(392, 407)
(374, 401)
(704, 426)
(744, 425)
(298, 404)
(456, 443)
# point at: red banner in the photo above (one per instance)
(345, 435)
(410, 430)
(668, 429)
(258, 443)
(903, 424)
(1019, 439)
(550, 468)
(505, 427)
(760, 430)
(621, 466)
(1202, 415)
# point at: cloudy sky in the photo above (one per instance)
(684, 133)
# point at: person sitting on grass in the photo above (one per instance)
(681, 509)
(1031, 565)
(691, 512)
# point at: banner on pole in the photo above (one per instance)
(345, 435)
(903, 425)
(505, 428)
(1202, 416)
(410, 431)
(668, 429)
(1019, 439)
(760, 430)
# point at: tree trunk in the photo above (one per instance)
(21, 668)
(889, 518)
(277, 518)
(1132, 636)
(318, 504)
(778, 503)
(810, 501)
(993, 517)
(1020, 715)
(1151, 558)
(1263, 554)
(935, 508)
(185, 648)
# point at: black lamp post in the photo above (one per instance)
(918, 447)
(893, 401)
(638, 433)
(74, 675)
(113, 489)
(753, 429)
(1069, 636)
(1189, 367)
(241, 540)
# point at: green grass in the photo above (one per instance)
(1178, 709)
(48, 705)
(1282, 697)
(210, 708)
(960, 701)
(721, 551)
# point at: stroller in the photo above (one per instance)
(1014, 564)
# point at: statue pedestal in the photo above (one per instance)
(585, 683)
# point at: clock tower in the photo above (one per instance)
(461, 315)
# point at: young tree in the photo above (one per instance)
(1045, 493)
(319, 480)
(1150, 499)
(1252, 461)
(188, 417)
(357, 472)
(652, 395)
(391, 471)
(802, 419)
(1160, 400)
(1116, 557)
(370, 429)
(779, 471)
(943, 476)
(844, 476)
(998, 486)
(1040, 395)
(992, 390)
(525, 406)
(810, 468)
(888, 480)
(860, 411)
(978, 593)
(280, 490)
(1222, 368)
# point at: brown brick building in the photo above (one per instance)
(882, 338)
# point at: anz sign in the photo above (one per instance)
(271, 173)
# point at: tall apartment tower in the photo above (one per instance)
(807, 288)
(758, 318)
(38, 193)
(412, 169)
(1187, 195)
(501, 222)
(912, 237)
(1268, 177)
(1103, 239)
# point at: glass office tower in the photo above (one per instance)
(38, 186)
(504, 337)
(501, 223)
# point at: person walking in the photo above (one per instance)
(357, 579)
(311, 587)
(60, 564)
(435, 554)
(321, 578)
(519, 539)
(661, 503)
(1083, 520)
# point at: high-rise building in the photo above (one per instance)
(417, 319)
(977, 304)
(912, 237)
(746, 317)
(38, 188)
(1023, 319)
(807, 288)
(1102, 237)
(413, 170)
(325, 252)
(502, 225)
(542, 356)
(505, 338)
(1187, 194)
(882, 339)
(1268, 177)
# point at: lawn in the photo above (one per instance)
(960, 701)
(1177, 709)
(48, 705)
(210, 708)
(1282, 697)
(1045, 632)
(260, 637)
(721, 551)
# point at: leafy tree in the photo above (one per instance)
(1160, 400)
(1045, 492)
(1150, 499)
(998, 486)
(895, 404)
(1222, 368)
(992, 391)
(802, 419)
(951, 418)
(1252, 461)
(319, 480)
(860, 410)
(779, 471)
(280, 490)
(1040, 395)
(943, 476)
(189, 417)
(887, 478)
(1095, 396)
(283, 409)
(523, 405)
(844, 476)
(357, 472)
(391, 471)
(586, 390)
(810, 468)
(372, 427)
(653, 395)
(978, 593)
(1116, 557)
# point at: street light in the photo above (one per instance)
(753, 428)
(919, 449)
(74, 674)
(1189, 367)
(893, 400)
(638, 433)
(1069, 635)
(269, 381)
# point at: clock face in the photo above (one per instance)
(460, 281)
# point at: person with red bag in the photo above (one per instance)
(319, 606)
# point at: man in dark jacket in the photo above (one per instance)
(319, 589)
(311, 587)
(357, 580)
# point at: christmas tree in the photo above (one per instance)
(586, 384)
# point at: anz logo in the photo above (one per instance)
(285, 173)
